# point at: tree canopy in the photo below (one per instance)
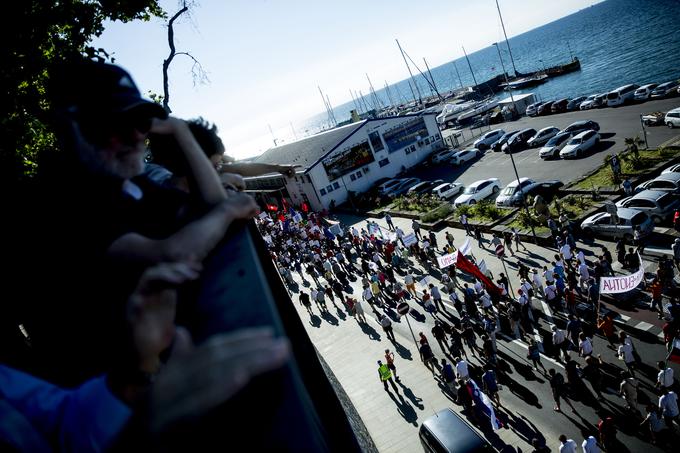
(44, 32)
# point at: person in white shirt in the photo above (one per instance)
(559, 338)
(565, 251)
(485, 300)
(589, 445)
(580, 256)
(665, 377)
(367, 294)
(585, 346)
(625, 353)
(548, 275)
(522, 298)
(567, 445)
(584, 276)
(462, 368)
(668, 404)
(478, 287)
(537, 281)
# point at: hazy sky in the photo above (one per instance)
(265, 58)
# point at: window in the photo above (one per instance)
(427, 141)
(329, 188)
(438, 137)
(322, 192)
(376, 143)
(366, 169)
(353, 177)
(336, 185)
(359, 174)
(384, 162)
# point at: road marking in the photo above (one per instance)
(520, 343)
(643, 326)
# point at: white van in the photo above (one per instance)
(621, 95)
(672, 118)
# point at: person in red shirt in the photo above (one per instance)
(606, 325)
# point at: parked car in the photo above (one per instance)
(672, 169)
(551, 150)
(546, 189)
(425, 186)
(588, 102)
(532, 109)
(657, 204)
(601, 224)
(600, 101)
(643, 93)
(478, 191)
(448, 432)
(544, 109)
(486, 140)
(542, 136)
(518, 142)
(512, 193)
(448, 190)
(559, 106)
(580, 144)
(621, 95)
(403, 187)
(665, 90)
(388, 185)
(672, 118)
(575, 103)
(443, 156)
(668, 182)
(498, 144)
(581, 126)
(465, 155)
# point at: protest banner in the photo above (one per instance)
(621, 283)
(410, 239)
(446, 260)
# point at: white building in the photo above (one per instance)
(348, 158)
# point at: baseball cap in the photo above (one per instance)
(87, 87)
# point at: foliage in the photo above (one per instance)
(485, 210)
(45, 32)
(417, 203)
(439, 213)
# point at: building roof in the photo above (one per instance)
(309, 150)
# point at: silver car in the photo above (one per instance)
(667, 182)
(657, 204)
(602, 224)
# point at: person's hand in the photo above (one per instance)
(151, 309)
(232, 180)
(287, 170)
(170, 125)
(240, 206)
(203, 378)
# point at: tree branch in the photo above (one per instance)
(171, 56)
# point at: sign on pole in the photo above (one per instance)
(336, 230)
(403, 308)
(410, 239)
(500, 250)
(447, 260)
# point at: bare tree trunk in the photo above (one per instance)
(171, 56)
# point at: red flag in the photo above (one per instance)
(305, 208)
(465, 265)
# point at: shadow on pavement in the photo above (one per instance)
(403, 352)
(408, 393)
(405, 409)
(329, 318)
(315, 321)
(370, 331)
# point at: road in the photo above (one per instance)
(616, 124)
(351, 349)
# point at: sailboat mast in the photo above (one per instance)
(389, 94)
(455, 66)
(420, 98)
(506, 38)
(434, 85)
(354, 101)
(474, 79)
(376, 99)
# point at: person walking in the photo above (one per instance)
(448, 375)
(388, 220)
(655, 421)
(585, 345)
(567, 445)
(664, 380)
(386, 324)
(606, 325)
(436, 297)
(534, 355)
(559, 338)
(518, 239)
(558, 389)
(305, 302)
(628, 389)
(592, 372)
(385, 376)
(626, 352)
(668, 405)
(490, 384)
(389, 360)
(589, 445)
(410, 283)
(416, 229)
(462, 369)
(359, 310)
(428, 358)
(439, 333)
(464, 221)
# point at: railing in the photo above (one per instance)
(294, 409)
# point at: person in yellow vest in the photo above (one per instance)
(386, 375)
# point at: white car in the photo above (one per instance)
(542, 136)
(448, 190)
(588, 103)
(486, 140)
(643, 93)
(580, 144)
(672, 169)
(465, 155)
(443, 156)
(672, 118)
(551, 150)
(388, 186)
(511, 195)
(478, 190)
(601, 224)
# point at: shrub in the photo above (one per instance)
(439, 213)
(488, 209)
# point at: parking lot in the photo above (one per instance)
(616, 124)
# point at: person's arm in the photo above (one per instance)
(83, 419)
(195, 239)
(203, 173)
(257, 169)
